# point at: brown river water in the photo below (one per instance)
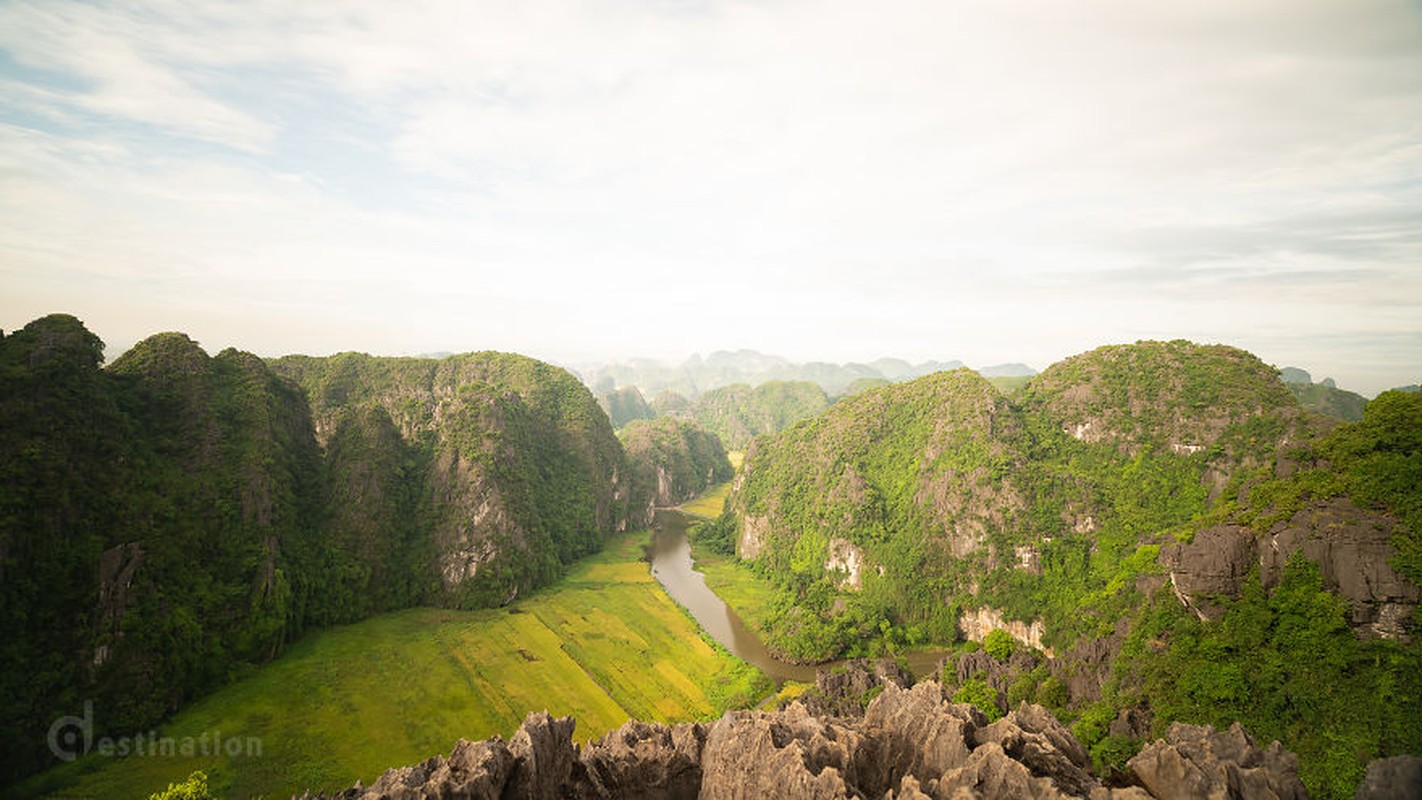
(673, 567)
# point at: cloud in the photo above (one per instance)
(107, 55)
(827, 176)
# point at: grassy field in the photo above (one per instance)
(344, 704)
(710, 503)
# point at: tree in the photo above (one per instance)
(999, 644)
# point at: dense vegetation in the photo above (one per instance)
(1051, 507)
(158, 528)
(170, 522)
(174, 519)
(1323, 397)
(624, 405)
(698, 375)
(512, 464)
(737, 413)
(672, 460)
(1286, 666)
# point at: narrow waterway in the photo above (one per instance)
(673, 568)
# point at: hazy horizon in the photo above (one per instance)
(588, 182)
(579, 367)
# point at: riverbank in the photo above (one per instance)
(749, 596)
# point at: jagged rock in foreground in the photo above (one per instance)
(1396, 778)
(910, 743)
(844, 692)
(1198, 761)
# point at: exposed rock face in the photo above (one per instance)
(1197, 761)
(1085, 668)
(782, 754)
(910, 743)
(1029, 559)
(544, 755)
(977, 623)
(920, 734)
(1396, 778)
(846, 558)
(1213, 563)
(754, 531)
(1350, 545)
(117, 566)
(844, 692)
(474, 770)
(640, 760)
(1034, 737)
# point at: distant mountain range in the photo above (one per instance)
(1323, 397)
(726, 368)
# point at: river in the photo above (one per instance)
(673, 567)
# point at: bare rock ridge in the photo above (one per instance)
(909, 743)
(1350, 545)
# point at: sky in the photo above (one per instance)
(997, 181)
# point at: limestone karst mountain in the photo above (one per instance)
(1125, 509)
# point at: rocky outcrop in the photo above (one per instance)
(754, 532)
(1196, 761)
(977, 623)
(847, 559)
(1085, 668)
(999, 675)
(1350, 545)
(1396, 778)
(910, 743)
(1211, 565)
(544, 755)
(845, 691)
(787, 753)
(1032, 736)
(473, 770)
(640, 760)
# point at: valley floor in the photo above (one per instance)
(605, 644)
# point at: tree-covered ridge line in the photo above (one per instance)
(170, 520)
(1057, 505)
(672, 461)
(508, 454)
(734, 413)
(697, 375)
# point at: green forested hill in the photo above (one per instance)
(672, 461)
(1329, 400)
(1081, 512)
(509, 467)
(177, 516)
(737, 413)
(159, 526)
(624, 405)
